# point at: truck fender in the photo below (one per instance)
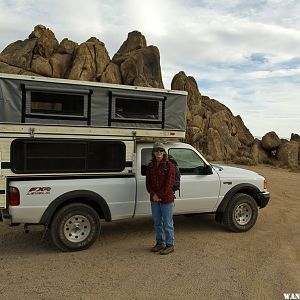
(246, 188)
(88, 197)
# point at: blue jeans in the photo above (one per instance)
(162, 215)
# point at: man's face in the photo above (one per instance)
(159, 154)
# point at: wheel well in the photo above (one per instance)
(250, 192)
(247, 189)
(86, 197)
(86, 201)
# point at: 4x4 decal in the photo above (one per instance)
(39, 191)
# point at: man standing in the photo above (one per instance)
(160, 179)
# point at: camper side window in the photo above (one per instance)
(136, 109)
(141, 109)
(57, 105)
(65, 156)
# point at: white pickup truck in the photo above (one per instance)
(71, 207)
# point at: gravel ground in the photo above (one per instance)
(208, 263)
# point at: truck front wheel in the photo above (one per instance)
(241, 213)
(75, 227)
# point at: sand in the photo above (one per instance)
(208, 263)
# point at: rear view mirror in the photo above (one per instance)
(208, 170)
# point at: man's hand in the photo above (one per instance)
(155, 198)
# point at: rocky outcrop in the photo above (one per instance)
(134, 42)
(139, 64)
(288, 154)
(46, 43)
(295, 137)
(112, 74)
(36, 55)
(30, 53)
(211, 127)
(187, 83)
(90, 60)
(270, 141)
(259, 154)
(135, 63)
(6, 68)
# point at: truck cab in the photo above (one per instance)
(199, 184)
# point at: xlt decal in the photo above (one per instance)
(39, 191)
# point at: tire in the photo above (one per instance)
(75, 227)
(241, 213)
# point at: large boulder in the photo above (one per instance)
(30, 56)
(6, 68)
(19, 54)
(46, 43)
(60, 64)
(41, 65)
(67, 46)
(215, 148)
(288, 154)
(187, 83)
(295, 137)
(135, 41)
(91, 59)
(139, 64)
(259, 154)
(270, 141)
(61, 61)
(112, 74)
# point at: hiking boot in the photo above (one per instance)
(157, 248)
(166, 250)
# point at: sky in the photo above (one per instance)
(245, 54)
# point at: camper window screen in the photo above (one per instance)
(57, 104)
(65, 156)
(137, 109)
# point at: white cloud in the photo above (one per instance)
(243, 53)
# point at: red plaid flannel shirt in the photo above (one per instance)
(160, 180)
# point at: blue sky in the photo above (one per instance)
(245, 54)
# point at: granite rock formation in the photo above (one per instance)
(135, 63)
(270, 141)
(139, 64)
(288, 154)
(211, 127)
(260, 155)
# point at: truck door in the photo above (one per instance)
(144, 157)
(199, 192)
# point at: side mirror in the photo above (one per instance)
(208, 170)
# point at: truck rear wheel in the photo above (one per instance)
(241, 213)
(75, 227)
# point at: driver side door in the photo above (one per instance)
(199, 192)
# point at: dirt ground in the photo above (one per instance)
(208, 263)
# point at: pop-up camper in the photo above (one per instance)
(57, 126)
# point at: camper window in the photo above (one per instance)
(136, 108)
(141, 109)
(65, 156)
(57, 104)
(54, 103)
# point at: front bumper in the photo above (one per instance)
(263, 199)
